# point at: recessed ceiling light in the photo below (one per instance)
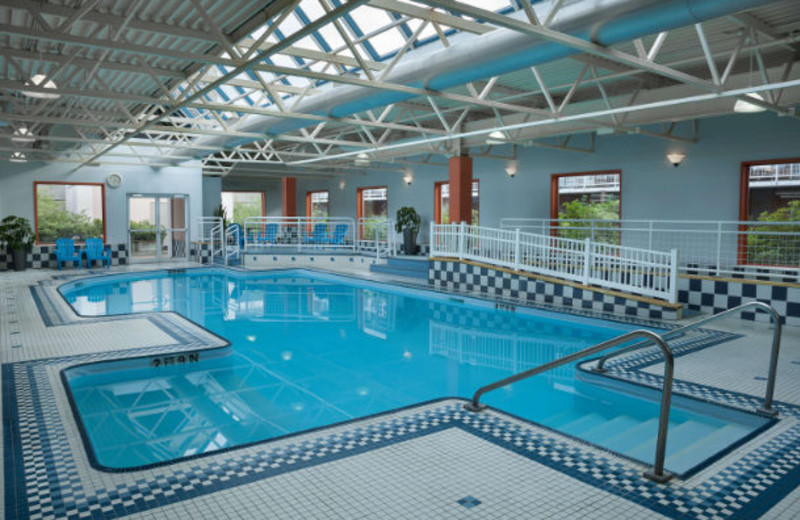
(40, 80)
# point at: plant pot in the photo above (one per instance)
(20, 257)
(409, 242)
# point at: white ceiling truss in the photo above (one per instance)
(161, 83)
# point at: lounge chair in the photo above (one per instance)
(319, 235)
(96, 250)
(270, 234)
(65, 252)
(339, 232)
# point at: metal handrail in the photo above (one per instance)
(773, 362)
(657, 472)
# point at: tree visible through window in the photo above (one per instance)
(771, 196)
(590, 196)
(242, 204)
(317, 204)
(373, 207)
(442, 202)
(75, 211)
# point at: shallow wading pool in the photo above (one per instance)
(310, 350)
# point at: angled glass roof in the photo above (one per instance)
(375, 35)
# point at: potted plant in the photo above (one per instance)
(17, 235)
(408, 223)
(220, 212)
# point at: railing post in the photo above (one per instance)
(516, 249)
(673, 276)
(719, 247)
(587, 259)
(650, 236)
(432, 240)
(461, 238)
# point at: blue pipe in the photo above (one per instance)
(472, 58)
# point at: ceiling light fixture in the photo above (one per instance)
(18, 157)
(23, 135)
(40, 80)
(676, 158)
(743, 106)
(497, 137)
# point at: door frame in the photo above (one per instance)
(159, 246)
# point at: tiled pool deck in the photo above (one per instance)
(429, 461)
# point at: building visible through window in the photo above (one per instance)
(442, 203)
(770, 196)
(591, 196)
(317, 205)
(75, 211)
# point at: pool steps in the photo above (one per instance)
(409, 267)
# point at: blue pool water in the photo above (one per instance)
(311, 350)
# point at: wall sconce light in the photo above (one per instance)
(676, 158)
(18, 157)
(511, 168)
(408, 177)
(23, 135)
(342, 184)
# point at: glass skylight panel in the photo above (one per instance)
(388, 41)
(312, 9)
(331, 36)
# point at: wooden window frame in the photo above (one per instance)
(437, 198)
(360, 204)
(744, 202)
(64, 183)
(308, 201)
(554, 206)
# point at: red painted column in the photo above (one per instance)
(289, 196)
(461, 189)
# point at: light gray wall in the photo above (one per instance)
(212, 187)
(704, 187)
(16, 188)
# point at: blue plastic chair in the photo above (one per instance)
(339, 232)
(65, 252)
(319, 235)
(95, 250)
(270, 235)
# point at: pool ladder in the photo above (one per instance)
(656, 472)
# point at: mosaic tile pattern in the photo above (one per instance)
(48, 476)
(483, 280)
(44, 257)
(200, 252)
(715, 296)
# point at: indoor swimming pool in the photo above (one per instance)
(311, 350)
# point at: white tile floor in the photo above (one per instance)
(437, 455)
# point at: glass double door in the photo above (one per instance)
(157, 227)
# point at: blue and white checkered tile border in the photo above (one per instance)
(715, 296)
(43, 480)
(44, 257)
(454, 275)
(200, 252)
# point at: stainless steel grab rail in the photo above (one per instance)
(773, 362)
(657, 472)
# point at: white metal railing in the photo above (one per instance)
(232, 243)
(299, 233)
(376, 237)
(217, 242)
(633, 270)
(705, 247)
(203, 227)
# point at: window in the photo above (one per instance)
(372, 205)
(242, 204)
(317, 204)
(69, 210)
(441, 203)
(586, 196)
(770, 195)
